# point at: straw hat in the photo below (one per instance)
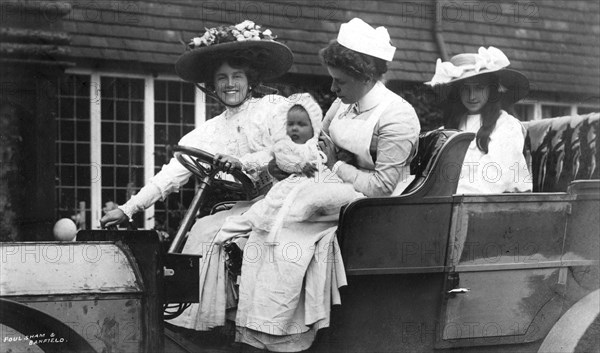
(198, 64)
(361, 37)
(513, 84)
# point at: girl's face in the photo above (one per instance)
(474, 94)
(231, 84)
(299, 128)
(346, 87)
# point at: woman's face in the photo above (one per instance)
(474, 94)
(231, 84)
(346, 87)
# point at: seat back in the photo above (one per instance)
(438, 162)
(560, 150)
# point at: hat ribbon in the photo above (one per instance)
(490, 59)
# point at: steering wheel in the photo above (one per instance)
(201, 164)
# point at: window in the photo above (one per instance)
(73, 168)
(587, 110)
(108, 148)
(173, 118)
(122, 138)
(553, 111)
(524, 112)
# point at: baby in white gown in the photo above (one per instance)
(312, 191)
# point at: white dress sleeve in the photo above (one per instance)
(170, 178)
(266, 127)
(261, 123)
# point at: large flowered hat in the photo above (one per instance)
(513, 84)
(244, 40)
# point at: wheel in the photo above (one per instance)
(30, 321)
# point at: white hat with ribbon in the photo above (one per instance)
(513, 84)
(361, 37)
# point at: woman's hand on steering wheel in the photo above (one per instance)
(113, 218)
(226, 163)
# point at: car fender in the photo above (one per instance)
(568, 330)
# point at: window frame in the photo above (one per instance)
(95, 77)
(538, 104)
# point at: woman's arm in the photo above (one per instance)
(397, 134)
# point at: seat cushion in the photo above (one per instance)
(430, 144)
(561, 150)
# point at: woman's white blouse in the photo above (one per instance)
(503, 168)
(246, 132)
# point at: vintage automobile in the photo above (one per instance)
(428, 271)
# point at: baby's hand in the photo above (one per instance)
(275, 171)
(346, 157)
(309, 169)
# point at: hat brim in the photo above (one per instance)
(198, 65)
(516, 85)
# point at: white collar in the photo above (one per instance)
(372, 98)
(231, 111)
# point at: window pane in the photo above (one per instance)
(73, 159)
(160, 90)
(107, 109)
(67, 175)
(173, 91)
(137, 89)
(188, 114)
(83, 130)
(108, 178)
(83, 153)
(160, 134)
(107, 132)
(83, 176)
(174, 114)
(189, 93)
(122, 86)
(67, 153)
(160, 112)
(108, 87)
(137, 133)
(83, 109)
(587, 110)
(122, 176)
(122, 113)
(137, 156)
(524, 112)
(81, 84)
(137, 111)
(108, 154)
(174, 117)
(122, 130)
(67, 130)
(553, 111)
(67, 108)
(122, 155)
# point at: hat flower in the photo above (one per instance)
(244, 31)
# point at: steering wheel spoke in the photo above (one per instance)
(193, 159)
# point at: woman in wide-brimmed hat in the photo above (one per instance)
(475, 87)
(231, 61)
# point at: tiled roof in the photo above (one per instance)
(555, 43)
